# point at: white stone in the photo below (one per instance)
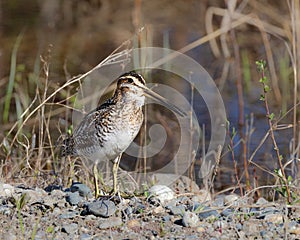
(162, 193)
(190, 219)
(6, 190)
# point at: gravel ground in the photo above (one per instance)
(73, 213)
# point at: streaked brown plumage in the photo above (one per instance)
(106, 132)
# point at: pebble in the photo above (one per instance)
(110, 223)
(227, 212)
(190, 219)
(267, 211)
(102, 208)
(70, 228)
(52, 187)
(208, 212)
(10, 236)
(6, 190)
(177, 210)
(295, 231)
(166, 218)
(5, 210)
(86, 236)
(250, 227)
(162, 193)
(239, 226)
(265, 221)
(218, 202)
(274, 218)
(134, 223)
(34, 196)
(158, 210)
(40, 235)
(261, 201)
(74, 198)
(69, 215)
(139, 208)
(230, 199)
(201, 229)
(128, 211)
(268, 234)
(83, 189)
(202, 196)
(294, 227)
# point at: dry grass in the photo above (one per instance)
(36, 114)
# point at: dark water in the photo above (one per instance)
(80, 34)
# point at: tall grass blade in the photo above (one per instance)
(11, 80)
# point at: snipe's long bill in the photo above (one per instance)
(106, 132)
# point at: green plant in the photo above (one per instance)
(231, 133)
(282, 189)
(12, 76)
(20, 203)
(261, 67)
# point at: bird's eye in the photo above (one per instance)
(130, 80)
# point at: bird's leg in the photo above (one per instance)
(115, 168)
(95, 173)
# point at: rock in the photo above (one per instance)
(274, 218)
(74, 198)
(40, 235)
(201, 229)
(55, 198)
(231, 199)
(261, 201)
(84, 190)
(239, 226)
(227, 212)
(85, 236)
(70, 228)
(190, 219)
(158, 210)
(6, 190)
(294, 228)
(254, 211)
(9, 236)
(53, 187)
(208, 212)
(166, 218)
(128, 211)
(250, 227)
(202, 196)
(110, 223)
(177, 210)
(266, 234)
(133, 224)
(102, 208)
(34, 196)
(218, 202)
(162, 193)
(139, 208)
(69, 215)
(263, 212)
(5, 210)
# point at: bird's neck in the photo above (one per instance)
(126, 97)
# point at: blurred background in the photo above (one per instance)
(45, 43)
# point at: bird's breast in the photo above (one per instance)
(113, 134)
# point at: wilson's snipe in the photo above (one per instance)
(106, 132)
